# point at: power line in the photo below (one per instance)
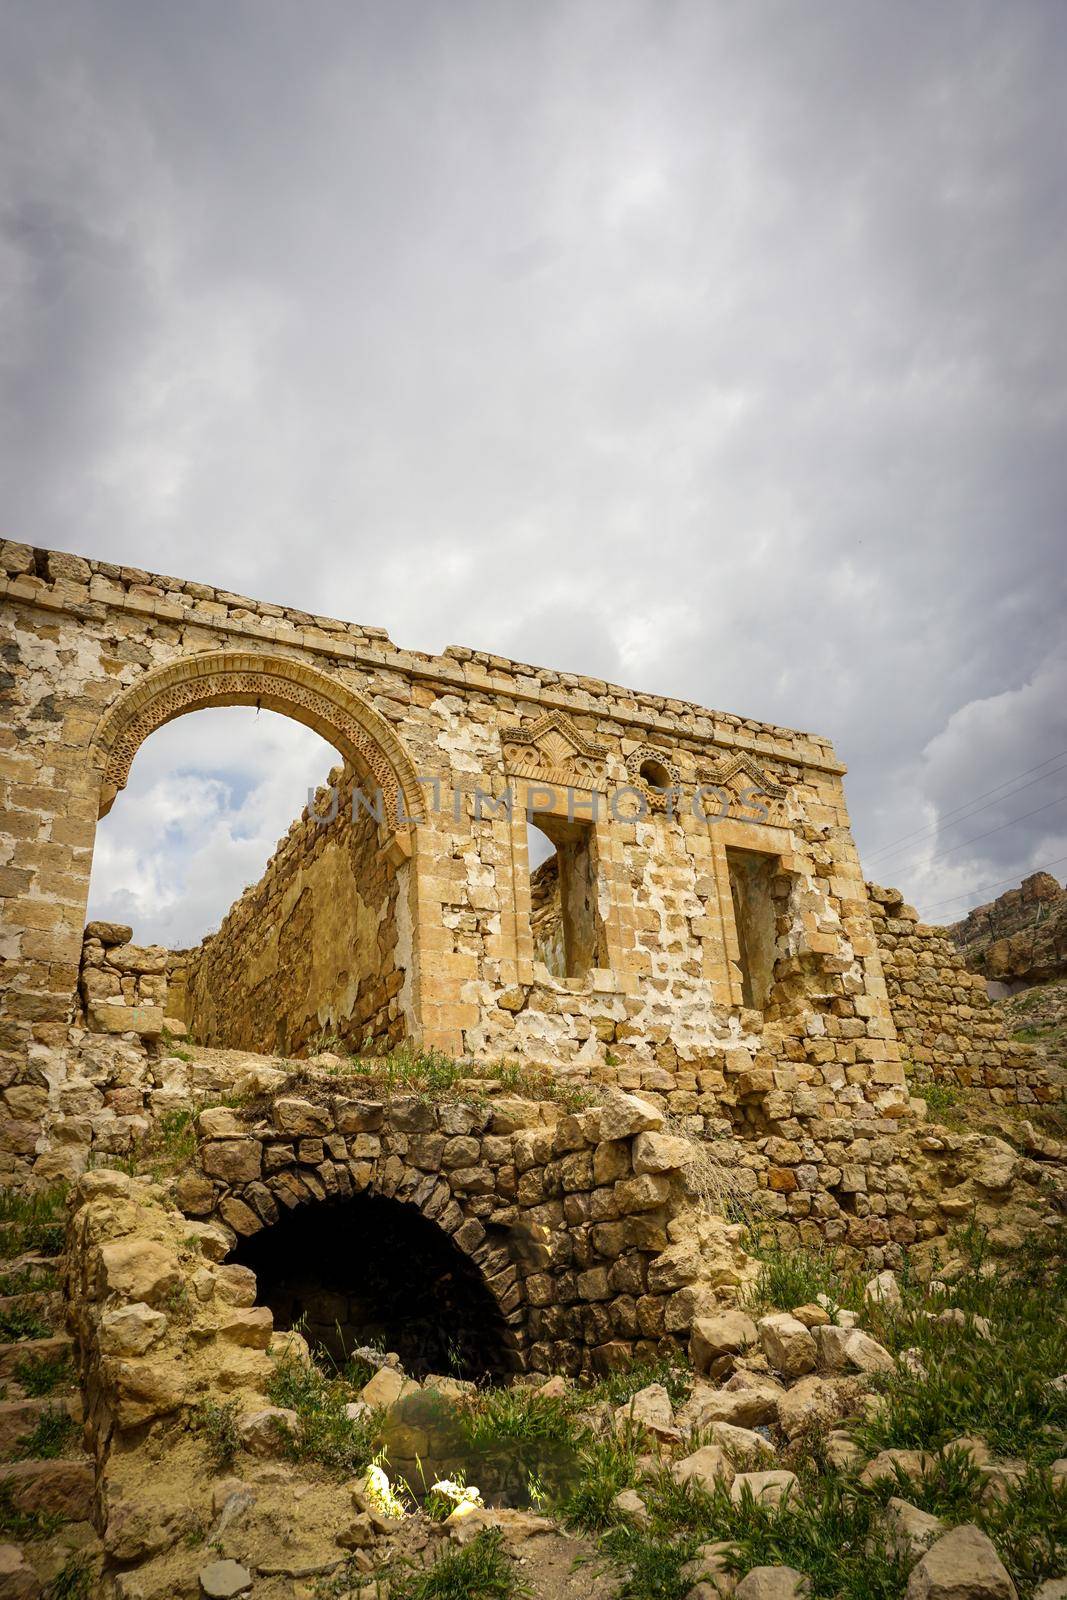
(983, 888)
(919, 833)
(1000, 826)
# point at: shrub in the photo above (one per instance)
(217, 1425)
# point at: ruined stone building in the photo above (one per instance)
(702, 935)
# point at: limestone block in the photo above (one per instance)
(266, 1432)
(909, 1532)
(769, 1488)
(742, 1444)
(130, 1330)
(773, 1583)
(661, 1152)
(706, 1467)
(726, 1334)
(292, 1116)
(111, 1017)
(787, 1344)
(961, 1565)
(623, 1115)
(136, 1270)
(850, 1349)
(235, 1161)
(248, 1326)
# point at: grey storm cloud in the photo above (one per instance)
(718, 349)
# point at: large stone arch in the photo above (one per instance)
(230, 677)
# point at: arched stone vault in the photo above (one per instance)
(226, 678)
(580, 1223)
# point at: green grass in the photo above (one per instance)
(496, 1416)
(217, 1427)
(327, 1437)
(33, 1221)
(433, 1075)
(74, 1580)
(941, 1098)
(606, 1466)
(19, 1526)
(619, 1387)
(52, 1435)
(481, 1570)
(27, 1280)
(791, 1277)
(997, 1388)
(22, 1322)
(42, 1375)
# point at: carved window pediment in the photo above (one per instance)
(553, 751)
(740, 773)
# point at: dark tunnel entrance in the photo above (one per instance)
(371, 1271)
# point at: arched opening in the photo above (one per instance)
(367, 1270)
(319, 948)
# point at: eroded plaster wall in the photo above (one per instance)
(310, 952)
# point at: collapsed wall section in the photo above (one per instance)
(311, 951)
(948, 1028)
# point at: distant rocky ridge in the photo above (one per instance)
(1020, 938)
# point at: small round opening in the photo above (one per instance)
(655, 774)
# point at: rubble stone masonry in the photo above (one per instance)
(716, 948)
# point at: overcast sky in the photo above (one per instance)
(716, 348)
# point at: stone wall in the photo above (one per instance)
(313, 950)
(582, 1225)
(128, 988)
(948, 1028)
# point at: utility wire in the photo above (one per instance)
(1000, 826)
(918, 833)
(983, 888)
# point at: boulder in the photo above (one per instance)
(961, 1565)
(770, 1488)
(266, 1432)
(814, 1402)
(773, 1583)
(883, 1290)
(136, 1269)
(849, 1349)
(623, 1115)
(914, 1464)
(130, 1330)
(726, 1334)
(387, 1388)
(649, 1408)
(742, 1443)
(18, 1581)
(706, 1467)
(909, 1532)
(630, 1505)
(223, 1580)
(787, 1344)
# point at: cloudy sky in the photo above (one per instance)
(714, 348)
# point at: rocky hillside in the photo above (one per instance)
(1021, 937)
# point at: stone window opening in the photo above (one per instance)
(372, 1271)
(752, 875)
(567, 928)
(656, 774)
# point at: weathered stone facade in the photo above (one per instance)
(713, 941)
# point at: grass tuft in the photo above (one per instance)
(482, 1570)
(327, 1436)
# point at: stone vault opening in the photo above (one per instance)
(367, 1270)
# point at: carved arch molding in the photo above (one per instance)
(230, 678)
